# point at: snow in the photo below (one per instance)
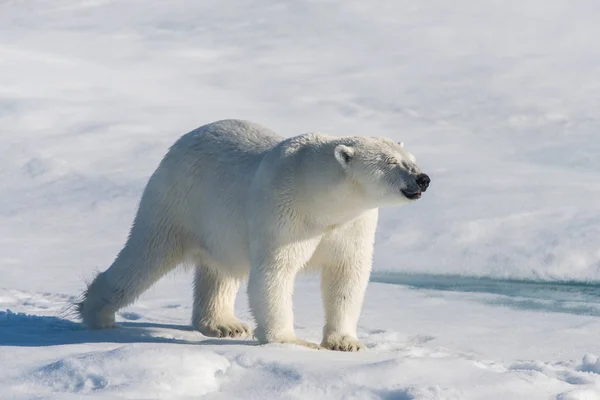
(422, 344)
(488, 287)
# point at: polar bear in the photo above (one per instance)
(240, 202)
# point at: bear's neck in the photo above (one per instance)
(343, 203)
(326, 197)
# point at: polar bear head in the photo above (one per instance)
(384, 170)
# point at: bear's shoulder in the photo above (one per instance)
(310, 140)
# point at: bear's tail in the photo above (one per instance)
(74, 309)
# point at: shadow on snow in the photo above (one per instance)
(18, 329)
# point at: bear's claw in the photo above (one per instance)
(345, 343)
(228, 329)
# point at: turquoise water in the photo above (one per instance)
(581, 298)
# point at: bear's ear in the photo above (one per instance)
(343, 154)
(401, 144)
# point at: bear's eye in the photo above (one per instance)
(391, 161)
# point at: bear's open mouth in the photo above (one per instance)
(411, 195)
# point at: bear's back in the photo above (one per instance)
(232, 137)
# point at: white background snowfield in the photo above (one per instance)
(487, 288)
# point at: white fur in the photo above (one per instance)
(240, 202)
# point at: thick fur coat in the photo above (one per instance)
(241, 203)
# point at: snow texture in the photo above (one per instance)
(487, 288)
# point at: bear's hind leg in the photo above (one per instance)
(214, 300)
(145, 258)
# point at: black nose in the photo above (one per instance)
(423, 181)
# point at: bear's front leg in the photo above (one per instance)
(343, 289)
(270, 290)
(346, 255)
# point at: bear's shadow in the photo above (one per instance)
(25, 330)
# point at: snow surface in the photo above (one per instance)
(499, 100)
